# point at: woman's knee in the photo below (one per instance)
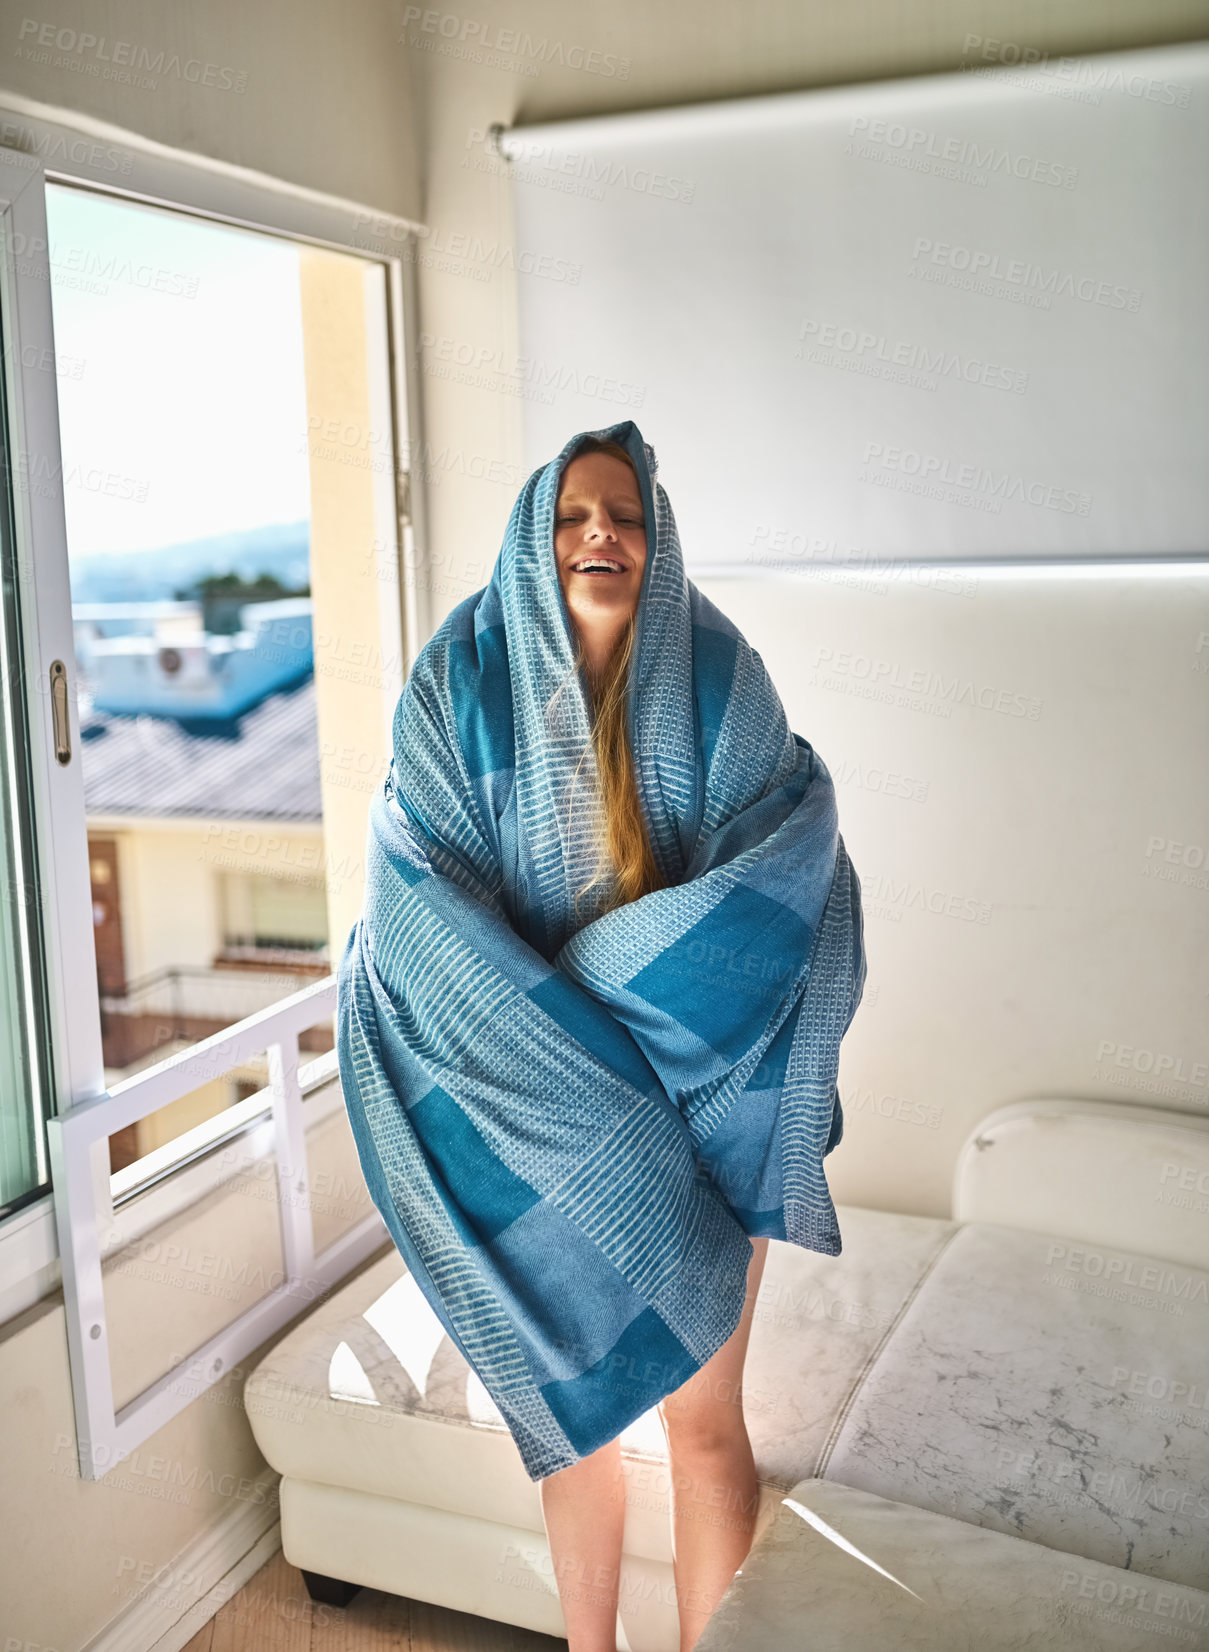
(705, 1423)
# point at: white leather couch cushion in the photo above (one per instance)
(842, 1570)
(369, 1393)
(1050, 1390)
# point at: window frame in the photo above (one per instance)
(76, 1069)
(38, 146)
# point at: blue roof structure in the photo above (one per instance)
(260, 765)
(191, 672)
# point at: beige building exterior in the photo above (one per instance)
(185, 910)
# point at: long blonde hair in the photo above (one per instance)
(626, 842)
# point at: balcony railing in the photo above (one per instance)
(183, 1003)
(106, 1436)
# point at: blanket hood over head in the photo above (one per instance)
(523, 614)
(572, 1119)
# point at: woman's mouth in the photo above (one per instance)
(599, 565)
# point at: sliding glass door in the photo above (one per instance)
(49, 1044)
(201, 637)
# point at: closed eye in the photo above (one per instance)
(631, 521)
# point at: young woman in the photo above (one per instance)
(600, 548)
(589, 1018)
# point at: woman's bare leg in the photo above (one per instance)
(584, 1510)
(715, 1494)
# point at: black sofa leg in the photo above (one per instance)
(329, 1591)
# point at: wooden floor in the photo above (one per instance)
(274, 1613)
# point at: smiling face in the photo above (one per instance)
(600, 548)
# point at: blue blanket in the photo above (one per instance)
(572, 1123)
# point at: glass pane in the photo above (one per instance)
(339, 1198)
(210, 568)
(24, 1064)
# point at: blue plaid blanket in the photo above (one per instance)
(572, 1122)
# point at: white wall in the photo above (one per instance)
(189, 1501)
(1019, 765)
(284, 87)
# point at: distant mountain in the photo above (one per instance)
(282, 549)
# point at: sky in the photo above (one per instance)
(178, 347)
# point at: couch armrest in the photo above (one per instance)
(1099, 1172)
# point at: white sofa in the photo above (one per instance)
(993, 1427)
